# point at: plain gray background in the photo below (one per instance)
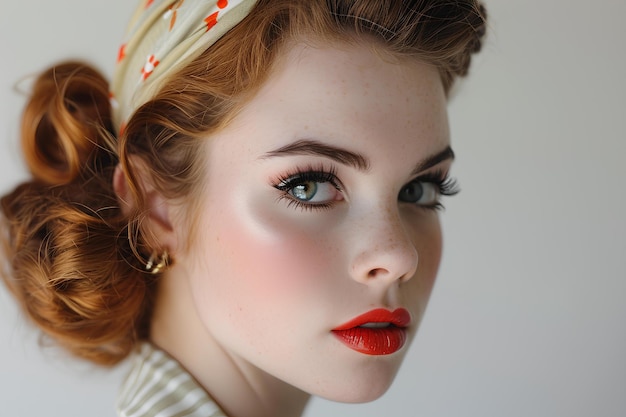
(528, 316)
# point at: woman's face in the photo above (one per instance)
(320, 206)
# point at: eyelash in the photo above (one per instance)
(290, 180)
(446, 186)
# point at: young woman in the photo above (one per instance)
(251, 207)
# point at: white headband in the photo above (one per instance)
(163, 36)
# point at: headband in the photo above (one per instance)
(163, 36)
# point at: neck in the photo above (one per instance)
(238, 387)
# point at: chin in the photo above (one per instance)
(368, 383)
(359, 394)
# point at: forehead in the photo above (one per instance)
(348, 92)
(349, 67)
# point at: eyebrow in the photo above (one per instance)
(315, 148)
(346, 157)
(433, 160)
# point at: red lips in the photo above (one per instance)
(377, 332)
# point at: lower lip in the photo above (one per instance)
(371, 341)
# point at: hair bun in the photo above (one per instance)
(63, 121)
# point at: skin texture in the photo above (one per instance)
(249, 305)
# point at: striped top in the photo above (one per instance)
(158, 386)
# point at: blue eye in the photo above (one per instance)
(314, 192)
(310, 189)
(421, 193)
(304, 192)
(426, 190)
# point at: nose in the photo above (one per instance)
(385, 252)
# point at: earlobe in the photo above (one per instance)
(156, 219)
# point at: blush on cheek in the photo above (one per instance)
(276, 257)
(265, 259)
(263, 270)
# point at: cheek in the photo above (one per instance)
(258, 265)
(270, 265)
(428, 241)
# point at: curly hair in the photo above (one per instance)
(76, 260)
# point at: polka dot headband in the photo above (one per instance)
(163, 36)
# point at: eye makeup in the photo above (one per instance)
(440, 183)
(316, 188)
(310, 188)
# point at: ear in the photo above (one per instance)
(157, 221)
(120, 186)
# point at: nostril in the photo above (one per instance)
(376, 272)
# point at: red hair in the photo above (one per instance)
(76, 261)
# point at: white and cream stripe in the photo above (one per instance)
(158, 386)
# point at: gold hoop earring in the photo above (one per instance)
(156, 263)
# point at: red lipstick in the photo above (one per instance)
(377, 332)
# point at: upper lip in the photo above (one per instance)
(399, 317)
